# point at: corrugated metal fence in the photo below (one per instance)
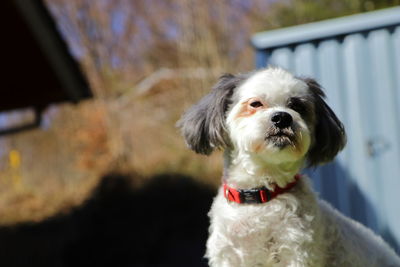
(357, 60)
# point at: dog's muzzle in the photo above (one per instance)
(281, 133)
(281, 120)
(281, 137)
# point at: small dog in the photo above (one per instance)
(270, 125)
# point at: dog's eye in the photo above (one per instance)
(297, 105)
(256, 104)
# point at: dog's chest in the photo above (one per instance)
(281, 217)
(265, 234)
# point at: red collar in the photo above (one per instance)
(257, 195)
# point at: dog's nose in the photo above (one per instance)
(281, 119)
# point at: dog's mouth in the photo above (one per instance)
(281, 137)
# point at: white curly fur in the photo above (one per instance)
(295, 228)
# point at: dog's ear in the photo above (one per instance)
(329, 133)
(203, 125)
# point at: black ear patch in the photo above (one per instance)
(329, 132)
(203, 125)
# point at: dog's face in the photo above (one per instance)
(272, 115)
(269, 113)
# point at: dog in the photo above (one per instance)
(271, 124)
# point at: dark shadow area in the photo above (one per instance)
(162, 223)
(333, 182)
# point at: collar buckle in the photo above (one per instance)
(251, 196)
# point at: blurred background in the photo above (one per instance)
(92, 168)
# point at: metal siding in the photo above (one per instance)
(305, 60)
(386, 126)
(357, 84)
(331, 77)
(360, 73)
(282, 57)
(332, 28)
(396, 58)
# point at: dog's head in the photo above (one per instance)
(269, 113)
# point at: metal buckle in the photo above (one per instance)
(250, 196)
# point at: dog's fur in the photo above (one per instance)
(296, 228)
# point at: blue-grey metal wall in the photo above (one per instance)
(357, 60)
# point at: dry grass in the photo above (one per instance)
(154, 143)
(58, 166)
(35, 203)
(61, 165)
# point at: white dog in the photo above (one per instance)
(271, 124)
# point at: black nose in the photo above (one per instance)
(281, 119)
